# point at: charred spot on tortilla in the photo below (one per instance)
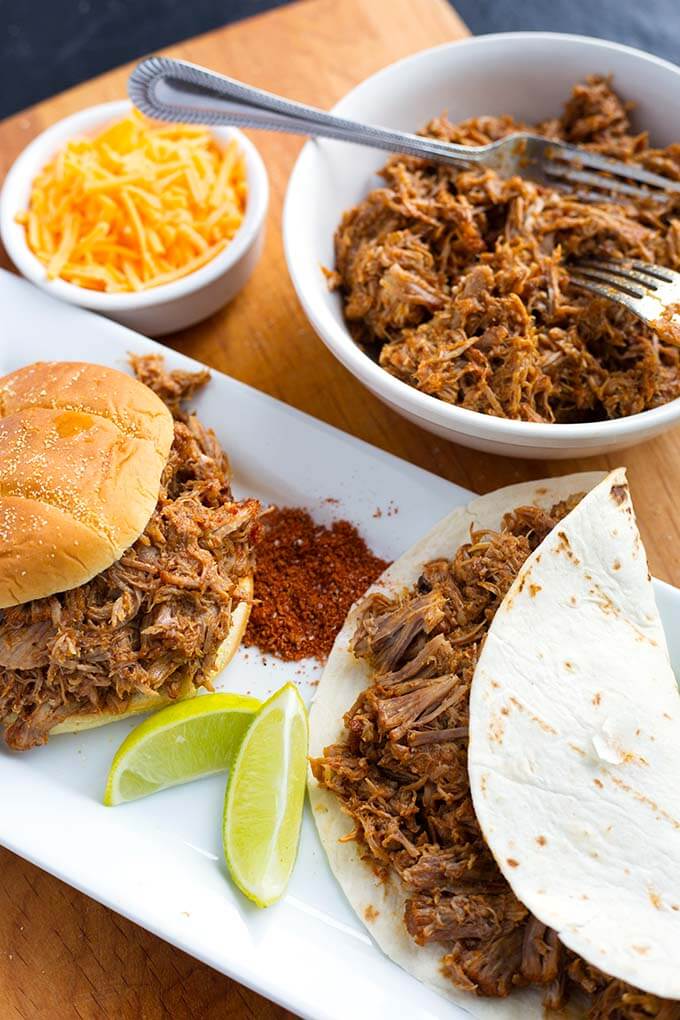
(655, 899)
(511, 862)
(616, 565)
(569, 666)
(534, 590)
(619, 493)
(642, 798)
(597, 698)
(541, 840)
(496, 731)
(371, 914)
(533, 716)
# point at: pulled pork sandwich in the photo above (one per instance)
(125, 563)
(458, 281)
(496, 748)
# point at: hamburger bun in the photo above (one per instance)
(82, 451)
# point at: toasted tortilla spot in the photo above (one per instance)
(597, 698)
(535, 718)
(534, 590)
(541, 840)
(512, 862)
(370, 913)
(655, 899)
(642, 798)
(496, 731)
(616, 565)
(619, 493)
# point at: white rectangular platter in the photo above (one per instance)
(159, 861)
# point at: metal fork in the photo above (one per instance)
(648, 290)
(177, 91)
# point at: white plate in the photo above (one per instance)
(159, 861)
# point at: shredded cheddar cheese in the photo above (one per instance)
(136, 206)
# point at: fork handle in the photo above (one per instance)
(177, 91)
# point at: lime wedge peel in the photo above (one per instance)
(185, 741)
(265, 796)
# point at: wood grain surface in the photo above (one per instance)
(61, 954)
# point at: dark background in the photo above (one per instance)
(48, 45)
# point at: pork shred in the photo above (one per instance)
(458, 281)
(155, 619)
(400, 773)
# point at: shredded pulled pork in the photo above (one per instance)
(401, 775)
(155, 619)
(457, 281)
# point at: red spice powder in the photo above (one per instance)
(307, 578)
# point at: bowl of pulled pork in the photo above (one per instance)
(447, 292)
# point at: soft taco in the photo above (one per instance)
(496, 746)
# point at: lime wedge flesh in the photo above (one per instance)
(265, 796)
(180, 743)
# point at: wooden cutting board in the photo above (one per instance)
(61, 954)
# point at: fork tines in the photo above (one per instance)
(628, 281)
(567, 162)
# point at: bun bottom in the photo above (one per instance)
(152, 702)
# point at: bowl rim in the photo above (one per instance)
(41, 148)
(404, 396)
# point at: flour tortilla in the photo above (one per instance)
(380, 905)
(574, 752)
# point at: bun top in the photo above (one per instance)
(82, 450)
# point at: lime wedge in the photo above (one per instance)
(265, 795)
(185, 741)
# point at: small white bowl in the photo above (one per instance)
(528, 74)
(158, 310)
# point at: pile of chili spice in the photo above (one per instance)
(307, 577)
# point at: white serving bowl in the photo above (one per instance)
(158, 310)
(526, 74)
